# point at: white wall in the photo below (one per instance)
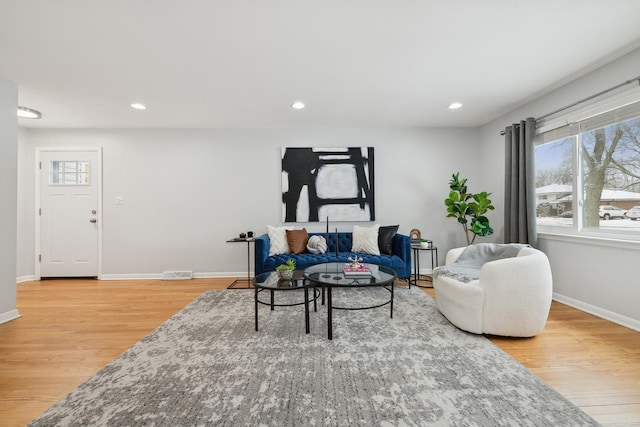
(26, 206)
(187, 191)
(594, 276)
(8, 195)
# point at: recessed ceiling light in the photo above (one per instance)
(28, 113)
(138, 106)
(297, 105)
(455, 105)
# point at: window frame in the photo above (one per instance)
(568, 118)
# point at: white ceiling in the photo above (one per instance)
(357, 63)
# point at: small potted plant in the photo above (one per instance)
(285, 271)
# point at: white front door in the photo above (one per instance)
(69, 187)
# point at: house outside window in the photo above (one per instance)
(588, 171)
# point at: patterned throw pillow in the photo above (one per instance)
(365, 239)
(278, 238)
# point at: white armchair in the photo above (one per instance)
(511, 298)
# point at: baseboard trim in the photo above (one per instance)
(9, 315)
(27, 278)
(151, 276)
(158, 276)
(222, 275)
(625, 321)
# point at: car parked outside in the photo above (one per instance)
(633, 213)
(609, 212)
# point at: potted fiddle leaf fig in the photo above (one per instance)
(469, 208)
(285, 271)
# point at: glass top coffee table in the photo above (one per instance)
(331, 275)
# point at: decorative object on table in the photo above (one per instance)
(415, 235)
(285, 271)
(356, 270)
(337, 181)
(425, 244)
(468, 208)
(249, 233)
(243, 235)
(355, 262)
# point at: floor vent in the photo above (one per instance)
(177, 275)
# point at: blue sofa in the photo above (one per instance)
(400, 261)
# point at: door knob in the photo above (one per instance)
(93, 220)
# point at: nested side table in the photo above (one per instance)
(271, 282)
(417, 277)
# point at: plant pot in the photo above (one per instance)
(285, 274)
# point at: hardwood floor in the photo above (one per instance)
(69, 329)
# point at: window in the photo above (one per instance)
(588, 174)
(69, 172)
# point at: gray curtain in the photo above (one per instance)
(520, 184)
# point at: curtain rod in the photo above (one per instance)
(589, 98)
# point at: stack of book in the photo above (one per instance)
(359, 271)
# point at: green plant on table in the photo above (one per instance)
(468, 208)
(289, 265)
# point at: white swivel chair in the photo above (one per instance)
(511, 298)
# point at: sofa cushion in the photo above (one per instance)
(365, 239)
(297, 240)
(278, 240)
(385, 238)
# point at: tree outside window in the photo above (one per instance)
(608, 172)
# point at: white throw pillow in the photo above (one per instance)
(278, 238)
(365, 239)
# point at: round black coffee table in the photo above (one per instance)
(272, 282)
(331, 275)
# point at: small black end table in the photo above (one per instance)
(416, 277)
(234, 284)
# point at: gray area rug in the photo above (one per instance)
(206, 366)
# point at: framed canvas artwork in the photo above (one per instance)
(321, 183)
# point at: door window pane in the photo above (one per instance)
(69, 172)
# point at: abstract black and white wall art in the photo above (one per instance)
(334, 183)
